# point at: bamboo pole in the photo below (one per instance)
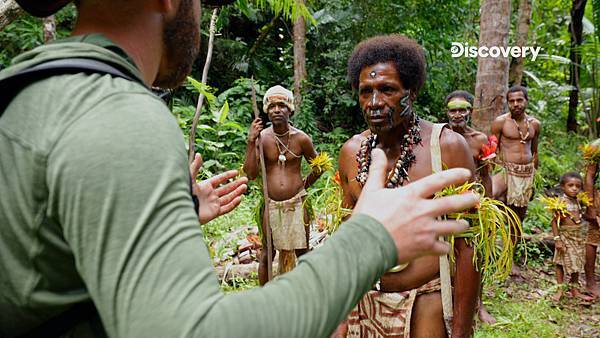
(265, 219)
(211, 40)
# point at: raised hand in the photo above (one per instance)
(409, 214)
(216, 200)
(255, 129)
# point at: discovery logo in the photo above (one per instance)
(459, 49)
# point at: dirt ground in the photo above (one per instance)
(525, 308)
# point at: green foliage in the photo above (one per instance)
(525, 317)
(27, 32)
(289, 9)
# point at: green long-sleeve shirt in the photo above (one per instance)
(95, 204)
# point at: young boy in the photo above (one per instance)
(569, 236)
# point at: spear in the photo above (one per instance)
(265, 218)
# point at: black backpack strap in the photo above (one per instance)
(13, 84)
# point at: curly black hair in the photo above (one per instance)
(567, 176)
(517, 88)
(406, 54)
(460, 93)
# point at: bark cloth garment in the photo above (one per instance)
(286, 219)
(388, 314)
(519, 182)
(572, 258)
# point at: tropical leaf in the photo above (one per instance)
(289, 9)
(203, 89)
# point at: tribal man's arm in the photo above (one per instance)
(486, 179)
(588, 186)
(309, 152)
(496, 130)
(534, 143)
(467, 279)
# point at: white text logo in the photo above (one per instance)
(459, 49)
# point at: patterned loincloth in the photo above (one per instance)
(386, 314)
(286, 219)
(519, 182)
(572, 258)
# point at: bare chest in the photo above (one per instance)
(420, 168)
(522, 131)
(284, 150)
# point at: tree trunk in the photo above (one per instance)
(49, 29)
(9, 11)
(515, 76)
(299, 58)
(576, 32)
(492, 73)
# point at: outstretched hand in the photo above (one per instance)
(409, 214)
(216, 200)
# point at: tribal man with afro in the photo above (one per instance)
(388, 72)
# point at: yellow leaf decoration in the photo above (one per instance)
(591, 151)
(584, 199)
(493, 225)
(321, 163)
(556, 205)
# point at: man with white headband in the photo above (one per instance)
(459, 105)
(284, 147)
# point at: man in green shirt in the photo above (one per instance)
(95, 205)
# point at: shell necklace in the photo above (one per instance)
(283, 148)
(523, 138)
(399, 173)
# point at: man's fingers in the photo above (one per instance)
(195, 165)
(450, 204)
(234, 193)
(377, 171)
(231, 186)
(217, 180)
(230, 206)
(427, 186)
(445, 228)
(440, 248)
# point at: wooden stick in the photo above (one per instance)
(263, 169)
(211, 40)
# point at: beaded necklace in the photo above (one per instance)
(399, 173)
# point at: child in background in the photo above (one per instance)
(569, 236)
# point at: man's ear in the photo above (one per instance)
(168, 8)
(412, 95)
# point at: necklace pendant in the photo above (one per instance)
(523, 142)
(282, 158)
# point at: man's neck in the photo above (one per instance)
(392, 138)
(146, 52)
(518, 116)
(461, 129)
(281, 128)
